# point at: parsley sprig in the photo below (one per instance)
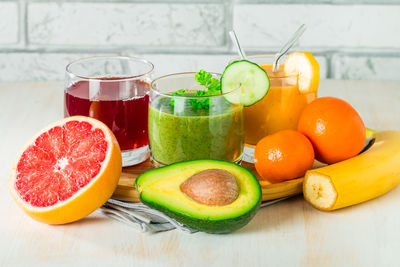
(212, 86)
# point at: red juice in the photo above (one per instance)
(122, 105)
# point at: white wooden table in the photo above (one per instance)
(291, 233)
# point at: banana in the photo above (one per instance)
(361, 178)
(282, 189)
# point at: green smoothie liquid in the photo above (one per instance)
(182, 133)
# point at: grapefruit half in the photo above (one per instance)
(66, 171)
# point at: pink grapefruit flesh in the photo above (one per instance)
(67, 162)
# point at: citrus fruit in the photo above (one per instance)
(66, 171)
(334, 128)
(306, 67)
(283, 156)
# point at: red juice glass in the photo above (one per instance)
(114, 90)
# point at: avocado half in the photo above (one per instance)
(160, 189)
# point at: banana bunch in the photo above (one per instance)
(363, 177)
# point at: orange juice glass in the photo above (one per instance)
(280, 109)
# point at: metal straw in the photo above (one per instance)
(235, 40)
(287, 46)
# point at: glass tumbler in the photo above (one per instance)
(187, 127)
(280, 109)
(114, 90)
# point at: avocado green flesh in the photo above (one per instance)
(159, 189)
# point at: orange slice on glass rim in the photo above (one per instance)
(306, 67)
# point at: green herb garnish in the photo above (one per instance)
(180, 92)
(212, 86)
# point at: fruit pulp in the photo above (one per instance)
(56, 165)
(279, 110)
(121, 104)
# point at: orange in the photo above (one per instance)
(306, 67)
(283, 156)
(334, 128)
(66, 171)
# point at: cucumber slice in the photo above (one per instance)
(250, 77)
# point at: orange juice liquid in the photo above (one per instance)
(279, 110)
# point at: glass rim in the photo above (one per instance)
(125, 78)
(261, 55)
(188, 96)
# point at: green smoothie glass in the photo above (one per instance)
(179, 130)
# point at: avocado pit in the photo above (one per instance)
(212, 187)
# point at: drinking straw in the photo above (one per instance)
(235, 40)
(287, 46)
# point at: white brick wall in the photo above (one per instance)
(126, 24)
(33, 66)
(352, 39)
(329, 26)
(8, 23)
(370, 67)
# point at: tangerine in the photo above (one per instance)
(283, 156)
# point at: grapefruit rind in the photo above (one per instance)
(88, 198)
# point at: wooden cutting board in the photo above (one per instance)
(126, 191)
